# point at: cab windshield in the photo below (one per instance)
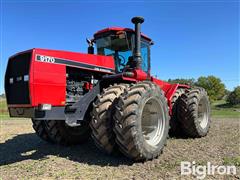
(117, 46)
(120, 47)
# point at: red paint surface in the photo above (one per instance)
(169, 90)
(120, 29)
(47, 81)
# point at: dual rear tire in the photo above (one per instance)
(190, 113)
(194, 113)
(175, 129)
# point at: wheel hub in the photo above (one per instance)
(153, 122)
(203, 113)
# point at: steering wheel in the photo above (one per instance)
(122, 60)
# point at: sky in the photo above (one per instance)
(192, 38)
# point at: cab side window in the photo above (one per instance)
(145, 50)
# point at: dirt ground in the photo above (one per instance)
(23, 155)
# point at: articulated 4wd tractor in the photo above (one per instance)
(109, 95)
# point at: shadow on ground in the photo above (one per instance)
(29, 146)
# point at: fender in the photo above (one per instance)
(171, 92)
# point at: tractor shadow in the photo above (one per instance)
(30, 147)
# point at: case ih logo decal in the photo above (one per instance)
(49, 59)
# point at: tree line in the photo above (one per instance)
(214, 86)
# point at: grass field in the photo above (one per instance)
(219, 109)
(3, 109)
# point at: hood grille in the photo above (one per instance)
(17, 79)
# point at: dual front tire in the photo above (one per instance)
(102, 123)
(142, 122)
(136, 123)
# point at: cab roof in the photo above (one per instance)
(120, 29)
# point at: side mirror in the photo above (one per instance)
(90, 45)
(90, 42)
(151, 43)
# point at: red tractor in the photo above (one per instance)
(110, 96)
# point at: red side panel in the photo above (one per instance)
(47, 80)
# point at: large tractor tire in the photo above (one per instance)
(56, 131)
(142, 121)
(102, 121)
(60, 133)
(41, 129)
(194, 113)
(175, 127)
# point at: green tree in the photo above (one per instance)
(234, 97)
(182, 81)
(213, 85)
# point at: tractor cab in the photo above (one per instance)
(119, 43)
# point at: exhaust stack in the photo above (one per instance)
(137, 21)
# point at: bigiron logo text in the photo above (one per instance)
(201, 171)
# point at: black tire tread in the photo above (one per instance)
(175, 129)
(125, 121)
(59, 133)
(102, 122)
(187, 112)
(40, 129)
